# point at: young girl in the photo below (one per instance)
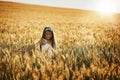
(47, 42)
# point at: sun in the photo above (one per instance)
(106, 7)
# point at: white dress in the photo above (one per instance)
(47, 48)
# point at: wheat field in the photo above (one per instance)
(89, 43)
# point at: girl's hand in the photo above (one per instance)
(43, 41)
(30, 47)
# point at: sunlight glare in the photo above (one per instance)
(106, 7)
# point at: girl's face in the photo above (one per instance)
(48, 35)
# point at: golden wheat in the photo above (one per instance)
(90, 44)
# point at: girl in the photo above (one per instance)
(47, 42)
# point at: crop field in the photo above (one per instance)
(89, 43)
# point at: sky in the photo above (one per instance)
(99, 5)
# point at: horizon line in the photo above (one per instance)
(116, 12)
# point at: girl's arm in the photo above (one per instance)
(28, 48)
(42, 41)
(33, 46)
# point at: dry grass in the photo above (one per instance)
(90, 44)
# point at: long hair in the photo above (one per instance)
(52, 39)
